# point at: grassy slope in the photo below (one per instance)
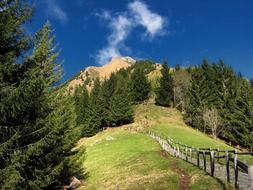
(169, 122)
(133, 161)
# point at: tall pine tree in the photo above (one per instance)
(140, 85)
(120, 103)
(95, 110)
(81, 98)
(164, 94)
(217, 86)
(36, 134)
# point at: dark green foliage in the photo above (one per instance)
(109, 103)
(13, 41)
(37, 126)
(120, 102)
(107, 92)
(239, 118)
(95, 110)
(164, 94)
(202, 94)
(251, 83)
(81, 97)
(145, 65)
(177, 67)
(140, 85)
(218, 86)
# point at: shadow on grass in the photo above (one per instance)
(223, 185)
(73, 166)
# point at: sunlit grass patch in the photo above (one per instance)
(118, 159)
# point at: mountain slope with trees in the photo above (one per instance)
(217, 88)
(40, 120)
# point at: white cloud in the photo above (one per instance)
(121, 24)
(153, 22)
(120, 28)
(56, 12)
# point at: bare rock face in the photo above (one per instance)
(88, 75)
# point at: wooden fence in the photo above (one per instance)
(222, 164)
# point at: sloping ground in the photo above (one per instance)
(169, 122)
(90, 73)
(122, 159)
(126, 158)
(220, 170)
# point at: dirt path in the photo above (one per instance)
(184, 177)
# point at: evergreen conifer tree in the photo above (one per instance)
(218, 86)
(251, 83)
(95, 110)
(164, 94)
(140, 85)
(107, 90)
(120, 103)
(202, 94)
(81, 97)
(36, 133)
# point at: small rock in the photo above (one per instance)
(109, 138)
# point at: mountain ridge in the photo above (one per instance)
(103, 72)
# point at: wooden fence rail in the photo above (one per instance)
(210, 159)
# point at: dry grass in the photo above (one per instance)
(102, 72)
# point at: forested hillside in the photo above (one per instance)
(220, 102)
(41, 120)
(212, 97)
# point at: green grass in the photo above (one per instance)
(133, 161)
(168, 122)
(188, 136)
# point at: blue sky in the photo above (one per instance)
(90, 32)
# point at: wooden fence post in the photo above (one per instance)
(198, 157)
(186, 154)
(227, 166)
(212, 162)
(166, 147)
(250, 174)
(218, 154)
(236, 171)
(204, 157)
(191, 154)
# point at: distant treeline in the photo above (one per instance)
(40, 125)
(212, 97)
(110, 102)
(215, 100)
(219, 101)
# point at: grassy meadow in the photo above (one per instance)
(121, 159)
(168, 122)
